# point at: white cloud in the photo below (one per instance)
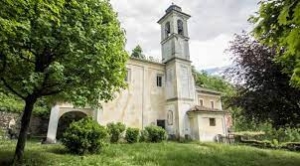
(212, 25)
(210, 53)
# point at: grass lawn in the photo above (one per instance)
(167, 153)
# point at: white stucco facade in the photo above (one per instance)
(161, 94)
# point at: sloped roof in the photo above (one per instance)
(202, 109)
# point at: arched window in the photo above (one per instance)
(180, 27)
(167, 29)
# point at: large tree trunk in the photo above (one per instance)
(25, 121)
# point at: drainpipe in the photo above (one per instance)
(143, 97)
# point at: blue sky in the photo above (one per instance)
(211, 27)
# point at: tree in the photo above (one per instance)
(264, 93)
(277, 25)
(67, 50)
(137, 52)
(216, 83)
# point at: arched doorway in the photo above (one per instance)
(57, 114)
(66, 119)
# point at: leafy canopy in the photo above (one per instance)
(216, 83)
(265, 94)
(12, 104)
(73, 49)
(277, 25)
(65, 50)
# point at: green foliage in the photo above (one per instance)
(277, 25)
(137, 52)
(132, 135)
(84, 136)
(216, 83)
(144, 136)
(156, 133)
(10, 103)
(115, 130)
(283, 134)
(264, 93)
(64, 50)
(71, 49)
(242, 123)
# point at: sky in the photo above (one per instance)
(211, 27)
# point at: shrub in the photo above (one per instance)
(156, 133)
(84, 136)
(115, 130)
(132, 135)
(283, 134)
(144, 136)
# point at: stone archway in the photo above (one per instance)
(66, 119)
(59, 111)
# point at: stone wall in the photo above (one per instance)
(7, 119)
(38, 126)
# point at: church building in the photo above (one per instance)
(161, 93)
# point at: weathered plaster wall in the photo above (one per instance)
(207, 132)
(207, 98)
(142, 103)
(194, 127)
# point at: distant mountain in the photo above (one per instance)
(217, 71)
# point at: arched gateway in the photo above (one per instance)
(59, 111)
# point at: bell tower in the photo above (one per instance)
(180, 84)
(174, 34)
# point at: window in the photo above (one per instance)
(128, 75)
(167, 29)
(161, 123)
(212, 122)
(180, 27)
(212, 103)
(159, 80)
(201, 102)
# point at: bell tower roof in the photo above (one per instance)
(174, 7)
(171, 9)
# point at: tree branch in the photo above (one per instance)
(51, 92)
(11, 89)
